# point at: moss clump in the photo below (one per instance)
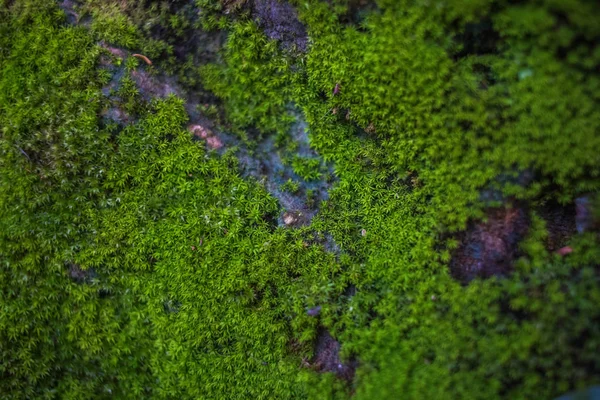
(256, 85)
(131, 259)
(307, 168)
(425, 111)
(136, 264)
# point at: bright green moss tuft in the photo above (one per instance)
(135, 264)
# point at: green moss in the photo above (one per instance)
(136, 264)
(307, 168)
(425, 118)
(139, 257)
(290, 186)
(110, 24)
(255, 86)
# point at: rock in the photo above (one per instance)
(291, 218)
(279, 20)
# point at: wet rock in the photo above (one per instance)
(279, 20)
(327, 357)
(489, 248)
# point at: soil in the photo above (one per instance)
(489, 248)
(327, 357)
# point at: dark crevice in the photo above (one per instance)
(357, 12)
(477, 38)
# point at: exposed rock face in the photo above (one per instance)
(279, 21)
(489, 248)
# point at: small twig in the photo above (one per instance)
(146, 59)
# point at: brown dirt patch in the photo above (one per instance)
(327, 357)
(489, 248)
